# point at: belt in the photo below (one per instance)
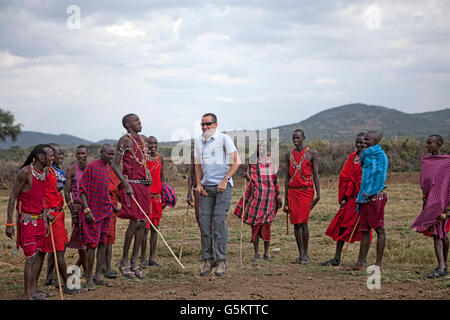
(27, 217)
(56, 209)
(156, 195)
(146, 182)
(300, 188)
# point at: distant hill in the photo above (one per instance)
(340, 123)
(32, 138)
(344, 122)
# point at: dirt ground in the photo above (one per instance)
(409, 257)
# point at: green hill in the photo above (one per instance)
(344, 122)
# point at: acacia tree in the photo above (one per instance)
(7, 126)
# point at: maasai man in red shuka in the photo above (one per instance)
(155, 164)
(98, 209)
(434, 218)
(302, 174)
(346, 220)
(134, 183)
(29, 191)
(54, 202)
(73, 198)
(111, 238)
(262, 198)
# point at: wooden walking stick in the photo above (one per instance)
(184, 231)
(56, 262)
(242, 217)
(351, 236)
(287, 224)
(151, 223)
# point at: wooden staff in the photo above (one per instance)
(242, 217)
(351, 236)
(184, 231)
(151, 223)
(287, 223)
(56, 262)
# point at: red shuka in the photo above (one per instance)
(346, 217)
(299, 200)
(54, 199)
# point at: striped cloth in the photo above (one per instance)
(168, 196)
(375, 164)
(435, 184)
(95, 184)
(261, 195)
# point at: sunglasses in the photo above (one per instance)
(207, 123)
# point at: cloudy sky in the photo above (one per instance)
(77, 67)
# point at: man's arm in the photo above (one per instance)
(162, 169)
(286, 182)
(20, 182)
(89, 216)
(315, 164)
(235, 163)
(68, 189)
(121, 145)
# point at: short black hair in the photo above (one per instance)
(81, 146)
(152, 137)
(126, 118)
(212, 115)
(299, 130)
(439, 139)
(361, 134)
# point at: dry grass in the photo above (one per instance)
(408, 256)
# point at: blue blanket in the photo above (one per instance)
(375, 164)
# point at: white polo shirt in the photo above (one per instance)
(214, 156)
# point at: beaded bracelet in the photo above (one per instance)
(10, 224)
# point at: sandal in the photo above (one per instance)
(126, 270)
(334, 262)
(101, 282)
(267, 258)
(297, 261)
(436, 273)
(111, 274)
(153, 263)
(137, 272)
(43, 293)
(306, 260)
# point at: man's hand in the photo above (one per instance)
(50, 218)
(129, 190)
(343, 202)
(279, 204)
(313, 204)
(189, 200)
(222, 186)
(75, 219)
(286, 209)
(201, 191)
(10, 232)
(90, 217)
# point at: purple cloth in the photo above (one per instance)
(435, 184)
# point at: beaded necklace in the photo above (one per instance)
(37, 174)
(298, 166)
(143, 152)
(152, 169)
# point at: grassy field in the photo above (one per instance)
(408, 257)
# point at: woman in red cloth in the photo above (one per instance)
(343, 224)
(155, 166)
(302, 174)
(29, 191)
(135, 180)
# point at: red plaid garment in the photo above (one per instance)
(168, 196)
(95, 184)
(261, 194)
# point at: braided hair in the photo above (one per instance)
(37, 150)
